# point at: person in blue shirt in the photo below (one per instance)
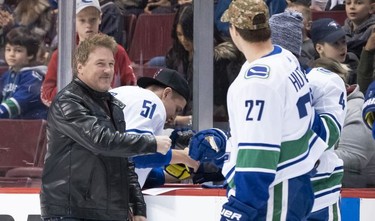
(20, 85)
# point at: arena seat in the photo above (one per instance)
(152, 37)
(338, 16)
(22, 143)
(128, 32)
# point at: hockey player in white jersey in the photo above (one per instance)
(272, 148)
(148, 108)
(329, 101)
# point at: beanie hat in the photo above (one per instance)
(286, 30)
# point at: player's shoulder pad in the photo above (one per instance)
(258, 71)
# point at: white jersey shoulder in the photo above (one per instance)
(144, 112)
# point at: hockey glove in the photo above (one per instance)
(368, 109)
(207, 172)
(208, 145)
(181, 138)
(234, 210)
(179, 171)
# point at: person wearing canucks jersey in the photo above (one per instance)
(329, 101)
(272, 150)
(148, 107)
(20, 85)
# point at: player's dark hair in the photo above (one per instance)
(22, 36)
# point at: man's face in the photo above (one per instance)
(98, 70)
(173, 103)
(87, 22)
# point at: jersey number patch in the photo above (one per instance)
(148, 109)
(256, 111)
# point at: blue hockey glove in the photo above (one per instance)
(208, 145)
(234, 210)
(368, 110)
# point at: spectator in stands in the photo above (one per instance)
(308, 52)
(366, 69)
(227, 59)
(359, 24)
(135, 7)
(88, 19)
(36, 15)
(20, 85)
(112, 22)
(166, 95)
(329, 41)
(356, 146)
(87, 174)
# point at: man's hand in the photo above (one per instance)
(139, 218)
(163, 144)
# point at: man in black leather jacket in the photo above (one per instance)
(87, 174)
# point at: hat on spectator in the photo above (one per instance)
(326, 30)
(243, 13)
(82, 4)
(167, 78)
(286, 30)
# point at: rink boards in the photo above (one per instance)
(178, 203)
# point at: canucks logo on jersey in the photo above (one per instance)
(258, 71)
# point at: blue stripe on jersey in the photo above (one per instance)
(300, 159)
(328, 192)
(139, 131)
(328, 174)
(259, 145)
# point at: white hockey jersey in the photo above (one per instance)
(144, 112)
(329, 101)
(270, 117)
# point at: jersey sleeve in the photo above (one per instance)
(25, 97)
(49, 85)
(123, 69)
(329, 101)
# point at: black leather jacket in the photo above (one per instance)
(87, 173)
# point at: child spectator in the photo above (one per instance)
(329, 41)
(359, 24)
(88, 19)
(20, 85)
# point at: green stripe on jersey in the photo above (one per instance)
(328, 182)
(334, 132)
(277, 201)
(295, 148)
(12, 107)
(257, 158)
